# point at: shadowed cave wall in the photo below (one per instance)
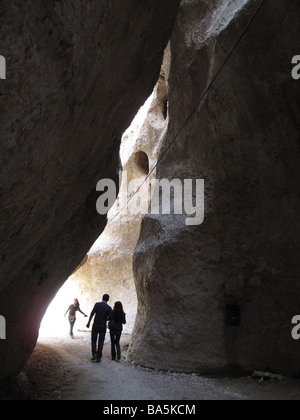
(76, 75)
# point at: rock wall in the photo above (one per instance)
(76, 75)
(222, 295)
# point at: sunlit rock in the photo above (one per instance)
(109, 265)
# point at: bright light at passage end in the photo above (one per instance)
(54, 324)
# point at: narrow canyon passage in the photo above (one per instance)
(208, 278)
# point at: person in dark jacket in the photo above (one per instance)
(72, 315)
(101, 311)
(117, 319)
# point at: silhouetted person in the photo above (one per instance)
(101, 311)
(117, 319)
(72, 315)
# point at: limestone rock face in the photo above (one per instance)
(76, 74)
(222, 295)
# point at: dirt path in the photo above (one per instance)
(60, 369)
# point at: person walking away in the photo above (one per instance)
(117, 319)
(101, 311)
(72, 315)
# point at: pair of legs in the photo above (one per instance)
(72, 323)
(115, 343)
(98, 337)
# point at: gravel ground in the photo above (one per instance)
(60, 369)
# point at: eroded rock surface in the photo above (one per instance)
(76, 75)
(243, 140)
